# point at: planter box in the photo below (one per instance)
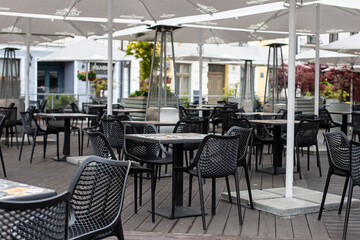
(306, 105)
(136, 103)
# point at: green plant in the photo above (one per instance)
(82, 75)
(139, 93)
(185, 99)
(230, 91)
(331, 91)
(61, 101)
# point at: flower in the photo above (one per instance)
(82, 75)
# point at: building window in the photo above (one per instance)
(333, 37)
(183, 73)
(216, 68)
(310, 39)
(353, 33)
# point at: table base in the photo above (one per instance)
(180, 212)
(271, 170)
(61, 158)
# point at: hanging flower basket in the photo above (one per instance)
(82, 76)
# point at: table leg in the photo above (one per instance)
(66, 140)
(177, 210)
(344, 123)
(277, 149)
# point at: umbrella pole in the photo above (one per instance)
(317, 62)
(110, 59)
(87, 80)
(27, 77)
(201, 43)
(291, 102)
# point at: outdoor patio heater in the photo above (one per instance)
(247, 86)
(162, 103)
(275, 76)
(10, 81)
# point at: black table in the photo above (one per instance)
(10, 190)
(277, 146)
(344, 119)
(177, 139)
(128, 111)
(67, 119)
(263, 114)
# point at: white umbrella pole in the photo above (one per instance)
(200, 68)
(317, 62)
(109, 69)
(87, 80)
(291, 101)
(27, 78)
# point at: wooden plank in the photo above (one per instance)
(250, 226)
(317, 228)
(283, 228)
(266, 225)
(301, 227)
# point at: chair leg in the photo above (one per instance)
(57, 146)
(213, 196)
(79, 145)
(33, 147)
(261, 152)
(153, 185)
(2, 162)
(202, 204)
(318, 159)
(228, 189)
(308, 158)
(347, 214)
(17, 140)
(248, 186)
(190, 189)
(82, 142)
(236, 176)
(22, 144)
(44, 146)
(324, 194)
(135, 192)
(298, 161)
(343, 194)
(118, 231)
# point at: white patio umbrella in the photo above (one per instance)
(328, 57)
(346, 45)
(86, 50)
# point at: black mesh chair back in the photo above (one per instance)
(96, 111)
(338, 148)
(244, 141)
(35, 104)
(101, 146)
(30, 125)
(355, 118)
(306, 134)
(85, 107)
(190, 126)
(183, 113)
(2, 120)
(226, 119)
(325, 118)
(355, 162)
(11, 105)
(117, 106)
(31, 109)
(217, 156)
(139, 150)
(113, 131)
(97, 195)
(11, 116)
(74, 108)
(123, 117)
(43, 105)
(39, 219)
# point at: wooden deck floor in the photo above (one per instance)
(224, 225)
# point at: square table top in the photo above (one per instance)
(274, 122)
(129, 110)
(10, 190)
(171, 138)
(156, 123)
(65, 115)
(269, 114)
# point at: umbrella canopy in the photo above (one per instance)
(329, 57)
(346, 45)
(86, 50)
(221, 52)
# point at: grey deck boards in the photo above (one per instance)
(224, 225)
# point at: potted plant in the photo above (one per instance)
(82, 76)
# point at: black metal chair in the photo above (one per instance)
(43, 105)
(338, 149)
(113, 130)
(326, 120)
(31, 128)
(216, 158)
(58, 125)
(10, 124)
(75, 109)
(306, 136)
(2, 120)
(97, 195)
(354, 179)
(215, 118)
(94, 124)
(244, 143)
(226, 120)
(152, 154)
(38, 219)
(355, 119)
(189, 126)
(101, 148)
